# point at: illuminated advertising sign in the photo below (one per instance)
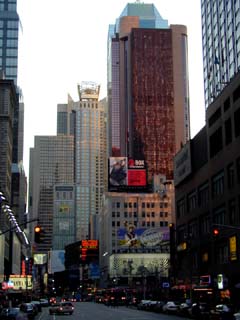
(142, 237)
(126, 174)
(139, 264)
(90, 244)
(20, 282)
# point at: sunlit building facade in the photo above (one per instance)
(51, 164)
(86, 121)
(147, 88)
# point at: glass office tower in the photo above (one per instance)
(9, 26)
(221, 44)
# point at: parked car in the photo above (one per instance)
(183, 309)
(143, 304)
(37, 304)
(9, 313)
(29, 309)
(62, 308)
(44, 302)
(158, 307)
(236, 315)
(221, 311)
(199, 309)
(170, 307)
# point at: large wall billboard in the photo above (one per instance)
(142, 237)
(139, 264)
(126, 174)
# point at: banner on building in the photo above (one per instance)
(142, 237)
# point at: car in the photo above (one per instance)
(30, 309)
(184, 308)
(44, 302)
(236, 315)
(37, 304)
(170, 307)
(62, 308)
(143, 304)
(222, 311)
(9, 313)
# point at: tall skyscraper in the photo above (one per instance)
(51, 172)
(9, 32)
(221, 44)
(147, 88)
(86, 121)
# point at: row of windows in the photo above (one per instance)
(200, 197)
(143, 205)
(226, 214)
(143, 224)
(144, 214)
(10, 43)
(216, 138)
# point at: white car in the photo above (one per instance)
(170, 306)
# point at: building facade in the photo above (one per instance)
(207, 178)
(135, 226)
(51, 164)
(147, 88)
(85, 120)
(221, 45)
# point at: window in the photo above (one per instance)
(143, 204)
(180, 208)
(226, 105)
(205, 225)
(214, 117)
(219, 215)
(228, 131)
(113, 214)
(222, 255)
(218, 184)
(203, 195)
(216, 142)
(232, 212)
(192, 201)
(118, 204)
(238, 169)
(230, 175)
(237, 123)
(143, 214)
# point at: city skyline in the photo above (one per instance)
(77, 52)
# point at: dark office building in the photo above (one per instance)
(207, 190)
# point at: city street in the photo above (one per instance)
(92, 311)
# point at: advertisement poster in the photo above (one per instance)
(139, 264)
(118, 171)
(142, 237)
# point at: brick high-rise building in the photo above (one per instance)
(147, 88)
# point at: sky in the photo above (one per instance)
(64, 42)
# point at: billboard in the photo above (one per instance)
(139, 264)
(56, 261)
(133, 237)
(126, 174)
(182, 164)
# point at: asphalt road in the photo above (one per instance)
(92, 311)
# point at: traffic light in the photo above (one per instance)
(38, 234)
(215, 232)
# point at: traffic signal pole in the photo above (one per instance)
(15, 227)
